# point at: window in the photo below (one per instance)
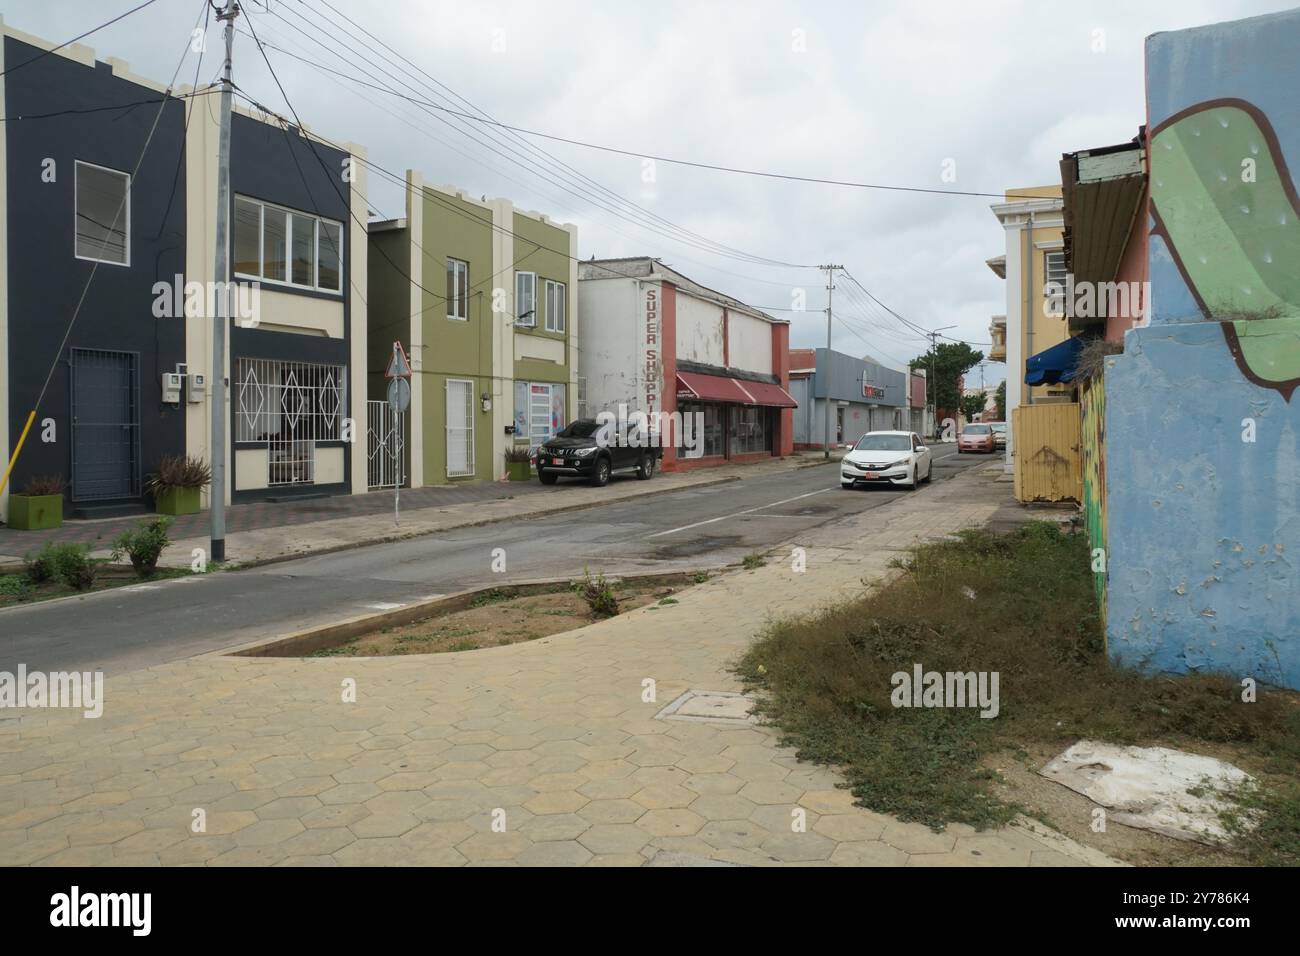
(458, 290)
(288, 407)
(526, 299)
(702, 430)
(102, 215)
(275, 244)
(555, 306)
(749, 430)
(1055, 283)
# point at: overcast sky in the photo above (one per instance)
(861, 91)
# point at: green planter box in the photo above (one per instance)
(35, 512)
(178, 501)
(519, 470)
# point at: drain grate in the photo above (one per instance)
(711, 707)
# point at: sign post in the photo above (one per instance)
(399, 400)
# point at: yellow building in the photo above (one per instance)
(1033, 222)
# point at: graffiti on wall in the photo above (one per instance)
(1093, 439)
(1226, 206)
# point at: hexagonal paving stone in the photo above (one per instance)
(850, 827)
(288, 808)
(671, 823)
(614, 838)
(612, 811)
(769, 792)
(664, 798)
(555, 853)
(556, 801)
(554, 826)
(267, 832)
(870, 853)
(483, 847)
(796, 847)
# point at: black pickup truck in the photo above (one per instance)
(586, 449)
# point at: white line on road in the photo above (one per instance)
(687, 527)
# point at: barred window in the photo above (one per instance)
(288, 407)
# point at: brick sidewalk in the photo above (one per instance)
(550, 736)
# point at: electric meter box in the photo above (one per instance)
(171, 387)
(198, 384)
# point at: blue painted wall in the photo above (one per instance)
(1204, 528)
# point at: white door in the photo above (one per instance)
(460, 428)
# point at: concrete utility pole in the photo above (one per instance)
(221, 274)
(830, 289)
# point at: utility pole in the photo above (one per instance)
(830, 289)
(934, 386)
(221, 274)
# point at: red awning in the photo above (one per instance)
(720, 388)
(773, 396)
(710, 388)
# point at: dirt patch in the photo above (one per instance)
(501, 616)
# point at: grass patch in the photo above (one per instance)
(1021, 604)
(494, 596)
(753, 562)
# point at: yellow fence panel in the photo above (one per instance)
(1047, 460)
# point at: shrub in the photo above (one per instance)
(178, 471)
(598, 593)
(38, 486)
(38, 569)
(70, 563)
(15, 586)
(519, 454)
(143, 544)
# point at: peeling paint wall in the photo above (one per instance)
(1202, 423)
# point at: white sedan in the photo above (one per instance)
(886, 458)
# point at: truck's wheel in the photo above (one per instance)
(645, 468)
(601, 478)
(547, 477)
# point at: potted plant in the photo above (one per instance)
(39, 505)
(176, 485)
(143, 544)
(519, 463)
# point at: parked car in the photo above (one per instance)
(999, 433)
(585, 449)
(886, 458)
(977, 437)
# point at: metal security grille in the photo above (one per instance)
(383, 440)
(460, 428)
(288, 407)
(105, 424)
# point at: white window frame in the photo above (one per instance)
(287, 281)
(1055, 302)
(551, 324)
(459, 288)
(530, 321)
(108, 169)
(471, 466)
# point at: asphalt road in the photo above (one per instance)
(151, 624)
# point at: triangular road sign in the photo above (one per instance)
(398, 366)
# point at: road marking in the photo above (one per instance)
(688, 527)
(140, 587)
(383, 606)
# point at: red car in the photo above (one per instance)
(977, 437)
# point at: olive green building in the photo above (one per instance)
(483, 298)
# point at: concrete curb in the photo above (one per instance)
(297, 644)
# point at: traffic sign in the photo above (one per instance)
(399, 395)
(398, 365)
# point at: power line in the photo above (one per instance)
(547, 156)
(80, 111)
(637, 215)
(54, 49)
(485, 120)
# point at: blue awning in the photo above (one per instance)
(1053, 365)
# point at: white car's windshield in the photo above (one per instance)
(872, 442)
